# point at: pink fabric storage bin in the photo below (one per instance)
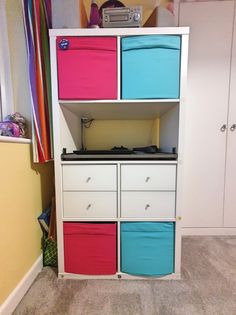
(90, 248)
(87, 68)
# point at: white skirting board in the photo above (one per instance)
(17, 294)
(208, 231)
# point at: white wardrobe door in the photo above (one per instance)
(230, 179)
(206, 110)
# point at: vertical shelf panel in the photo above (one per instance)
(118, 69)
(57, 153)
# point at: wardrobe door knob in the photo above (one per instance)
(223, 128)
(147, 206)
(233, 127)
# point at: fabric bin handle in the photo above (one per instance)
(148, 42)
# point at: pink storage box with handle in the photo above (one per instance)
(90, 248)
(87, 68)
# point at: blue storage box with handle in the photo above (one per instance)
(150, 67)
(147, 248)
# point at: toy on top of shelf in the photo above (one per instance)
(111, 4)
(94, 19)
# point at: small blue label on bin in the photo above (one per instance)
(64, 44)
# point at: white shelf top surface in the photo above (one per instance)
(119, 31)
(123, 219)
(122, 162)
(140, 109)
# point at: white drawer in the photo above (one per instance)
(90, 204)
(148, 204)
(89, 177)
(148, 177)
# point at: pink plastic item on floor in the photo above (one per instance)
(90, 248)
(87, 68)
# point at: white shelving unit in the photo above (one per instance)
(111, 188)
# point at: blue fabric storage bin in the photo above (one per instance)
(147, 248)
(150, 67)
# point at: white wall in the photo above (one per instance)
(18, 59)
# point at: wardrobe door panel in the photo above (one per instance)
(206, 111)
(230, 179)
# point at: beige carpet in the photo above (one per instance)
(208, 286)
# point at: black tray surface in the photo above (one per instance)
(114, 156)
(107, 152)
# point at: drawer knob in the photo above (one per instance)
(147, 206)
(147, 179)
(88, 206)
(88, 179)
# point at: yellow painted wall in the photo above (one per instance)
(105, 134)
(25, 190)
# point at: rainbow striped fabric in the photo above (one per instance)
(37, 21)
